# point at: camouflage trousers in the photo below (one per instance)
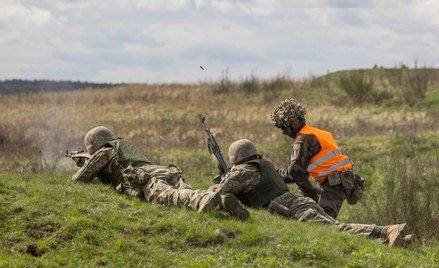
(161, 184)
(332, 198)
(295, 206)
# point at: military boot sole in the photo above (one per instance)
(410, 239)
(395, 235)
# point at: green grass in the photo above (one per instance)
(47, 220)
(432, 99)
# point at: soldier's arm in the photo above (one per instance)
(96, 164)
(240, 179)
(304, 148)
(283, 173)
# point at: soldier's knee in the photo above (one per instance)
(330, 211)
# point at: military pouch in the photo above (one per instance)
(135, 176)
(347, 179)
(129, 190)
(334, 179)
(357, 191)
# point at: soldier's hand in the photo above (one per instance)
(282, 170)
(80, 161)
(217, 179)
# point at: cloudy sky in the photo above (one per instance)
(164, 41)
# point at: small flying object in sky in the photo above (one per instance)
(201, 67)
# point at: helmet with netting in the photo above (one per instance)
(96, 138)
(240, 150)
(287, 111)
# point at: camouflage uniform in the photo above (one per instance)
(331, 197)
(161, 184)
(245, 178)
(295, 206)
(247, 183)
(251, 173)
(241, 178)
(122, 165)
(305, 147)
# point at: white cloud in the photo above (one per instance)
(253, 7)
(169, 39)
(161, 5)
(200, 3)
(17, 13)
(74, 5)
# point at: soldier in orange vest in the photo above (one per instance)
(317, 165)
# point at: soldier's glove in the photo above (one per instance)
(282, 171)
(217, 179)
(80, 161)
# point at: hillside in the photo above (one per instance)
(49, 221)
(385, 120)
(17, 86)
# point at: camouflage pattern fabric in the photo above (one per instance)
(156, 184)
(331, 197)
(96, 138)
(308, 146)
(162, 184)
(291, 205)
(243, 177)
(240, 150)
(287, 111)
(99, 165)
(295, 206)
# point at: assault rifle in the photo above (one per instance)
(215, 149)
(78, 156)
(75, 154)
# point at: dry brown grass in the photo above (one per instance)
(166, 117)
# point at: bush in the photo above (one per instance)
(250, 84)
(357, 85)
(418, 85)
(225, 83)
(273, 87)
(404, 188)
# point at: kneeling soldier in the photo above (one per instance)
(256, 183)
(315, 156)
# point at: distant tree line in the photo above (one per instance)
(15, 86)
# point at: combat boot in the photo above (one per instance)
(410, 239)
(394, 234)
(209, 202)
(231, 204)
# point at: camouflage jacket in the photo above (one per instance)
(307, 147)
(243, 177)
(100, 164)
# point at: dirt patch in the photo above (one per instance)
(32, 249)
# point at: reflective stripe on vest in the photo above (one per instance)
(323, 159)
(329, 159)
(332, 168)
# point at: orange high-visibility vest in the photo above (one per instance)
(329, 159)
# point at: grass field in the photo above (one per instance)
(49, 221)
(385, 120)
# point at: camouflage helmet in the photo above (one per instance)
(96, 138)
(240, 150)
(285, 112)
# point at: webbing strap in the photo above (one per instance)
(332, 168)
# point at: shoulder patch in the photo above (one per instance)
(296, 152)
